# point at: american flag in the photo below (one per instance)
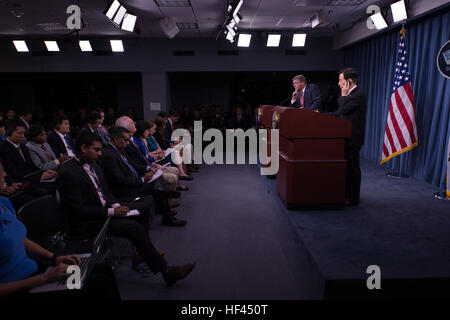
(401, 131)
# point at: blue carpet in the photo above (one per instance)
(398, 226)
(249, 246)
(244, 247)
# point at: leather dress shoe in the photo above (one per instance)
(177, 273)
(187, 178)
(173, 222)
(349, 203)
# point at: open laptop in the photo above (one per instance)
(87, 262)
(33, 178)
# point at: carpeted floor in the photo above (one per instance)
(249, 246)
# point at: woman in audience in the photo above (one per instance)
(170, 174)
(20, 272)
(40, 151)
(156, 138)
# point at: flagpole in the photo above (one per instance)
(446, 194)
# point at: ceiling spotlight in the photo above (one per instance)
(85, 45)
(230, 37)
(129, 21)
(298, 40)
(52, 46)
(379, 21)
(116, 45)
(244, 40)
(119, 15)
(239, 5)
(231, 31)
(273, 40)
(399, 11)
(21, 45)
(112, 9)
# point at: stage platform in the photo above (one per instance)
(398, 226)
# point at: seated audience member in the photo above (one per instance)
(2, 132)
(20, 269)
(60, 140)
(87, 202)
(16, 158)
(239, 121)
(155, 149)
(126, 182)
(170, 174)
(101, 129)
(26, 117)
(40, 151)
(10, 115)
(94, 119)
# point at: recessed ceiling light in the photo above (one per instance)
(120, 14)
(116, 45)
(244, 40)
(21, 45)
(85, 45)
(112, 9)
(129, 21)
(379, 21)
(298, 40)
(52, 46)
(273, 40)
(399, 11)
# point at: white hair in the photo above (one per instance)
(123, 122)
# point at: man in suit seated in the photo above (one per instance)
(94, 119)
(17, 160)
(87, 202)
(306, 95)
(239, 121)
(40, 151)
(126, 182)
(59, 139)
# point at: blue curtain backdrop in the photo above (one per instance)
(374, 60)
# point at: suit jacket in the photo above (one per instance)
(121, 180)
(243, 123)
(40, 158)
(136, 158)
(57, 143)
(14, 164)
(312, 99)
(353, 108)
(168, 133)
(79, 198)
(105, 137)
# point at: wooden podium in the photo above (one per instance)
(311, 164)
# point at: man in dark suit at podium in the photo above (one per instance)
(352, 107)
(306, 95)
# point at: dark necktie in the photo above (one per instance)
(48, 152)
(125, 160)
(66, 138)
(21, 153)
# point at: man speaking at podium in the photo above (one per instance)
(305, 95)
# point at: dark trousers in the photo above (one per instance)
(353, 175)
(139, 237)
